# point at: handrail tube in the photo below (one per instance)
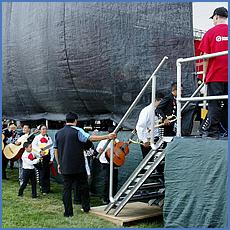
(208, 98)
(206, 56)
(197, 90)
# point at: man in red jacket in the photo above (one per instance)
(216, 69)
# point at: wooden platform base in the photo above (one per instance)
(131, 213)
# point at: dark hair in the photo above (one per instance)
(174, 85)
(40, 126)
(26, 144)
(159, 96)
(71, 117)
(29, 126)
(111, 129)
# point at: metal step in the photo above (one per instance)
(148, 185)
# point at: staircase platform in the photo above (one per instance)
(131, 213)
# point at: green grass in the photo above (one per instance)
(47, 211)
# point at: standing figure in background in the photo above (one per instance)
(143, 126)
(10, 137)
(40, 141)
(166, 108)
(216, 71)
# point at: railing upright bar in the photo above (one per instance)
(153, 111)
(178, 134)
(111, 199)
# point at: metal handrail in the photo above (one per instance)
(130, 109)
(179, 98)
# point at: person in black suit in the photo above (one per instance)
(167, 107)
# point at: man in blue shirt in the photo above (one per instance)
(69, 143)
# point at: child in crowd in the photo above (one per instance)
(28, 162)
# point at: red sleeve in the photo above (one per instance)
(205, 44)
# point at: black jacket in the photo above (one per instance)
(166, 107)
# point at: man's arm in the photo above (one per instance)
(110, 136)
(205, 66)
(57, 160)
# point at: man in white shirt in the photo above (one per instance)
(143, 125)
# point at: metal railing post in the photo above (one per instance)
(111, 199)
(153, 110)
(178, 134)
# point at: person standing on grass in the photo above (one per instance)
(69, 147)
(28, 162)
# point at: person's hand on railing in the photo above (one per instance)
(112, 136)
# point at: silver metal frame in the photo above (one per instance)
(180, 99)
(153, 76)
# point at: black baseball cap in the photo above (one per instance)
(221, 11)
(71, 116)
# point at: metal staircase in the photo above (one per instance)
(144, 183)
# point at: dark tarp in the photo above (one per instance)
(91, 58)
(196, 183)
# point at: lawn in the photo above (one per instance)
(47, 211)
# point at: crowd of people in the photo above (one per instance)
(71, 142)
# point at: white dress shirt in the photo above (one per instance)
(143, 125)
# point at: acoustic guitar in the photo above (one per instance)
(121, 149)
(14, 152)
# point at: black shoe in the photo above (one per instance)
(34, 197)
(20, 195)
(5, 178)
(85, 210)
(68, 215)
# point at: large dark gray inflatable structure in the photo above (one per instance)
(91, 58)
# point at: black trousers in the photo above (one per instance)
(145, 150)
(106, 172)
(217, 109)
(68, 181)
(44, 174)
(28, 174)
(4, 166)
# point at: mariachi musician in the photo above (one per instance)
(167, 108)
(10, 136)
(40, 141)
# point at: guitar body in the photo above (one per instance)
(13, 152)
(121, 149)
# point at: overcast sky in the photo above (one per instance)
(202, 11)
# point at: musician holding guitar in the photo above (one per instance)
(41, 141)
(143, 125)
(167, 107)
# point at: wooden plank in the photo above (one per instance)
(130, 213)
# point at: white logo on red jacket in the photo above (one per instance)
(221, 38)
